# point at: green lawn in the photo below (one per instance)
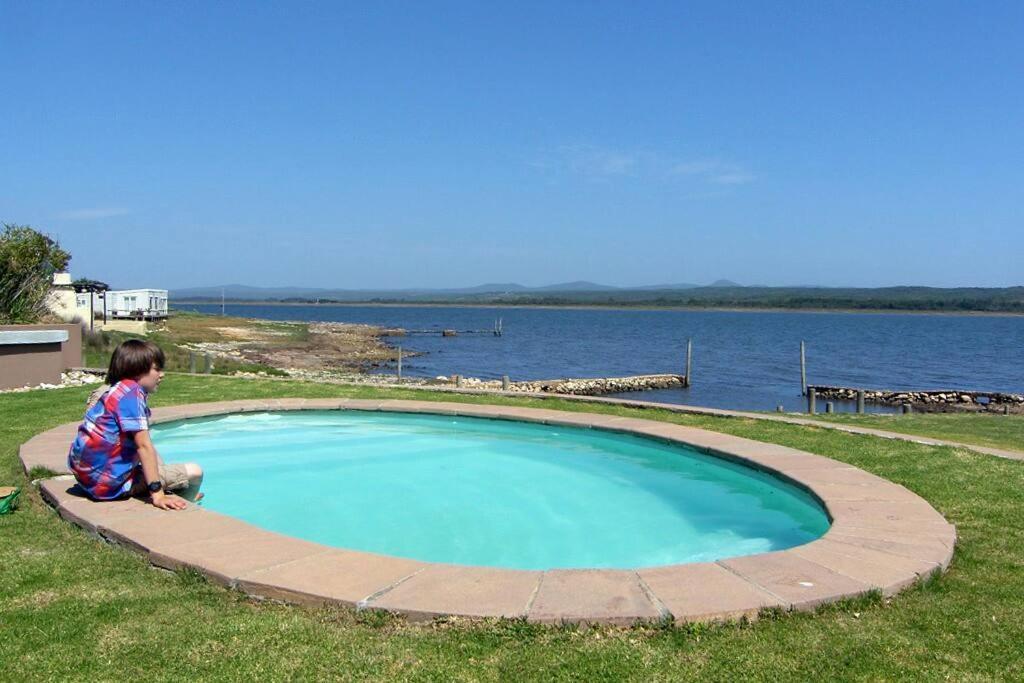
(997, 431)
(74, 607)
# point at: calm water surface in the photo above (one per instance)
(488, 492)
(741, 360)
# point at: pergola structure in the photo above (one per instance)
(91, 287)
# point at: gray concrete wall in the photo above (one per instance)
(71, 351)
(32, 364)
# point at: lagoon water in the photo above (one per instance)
(741, 360)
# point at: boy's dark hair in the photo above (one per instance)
(132, 359)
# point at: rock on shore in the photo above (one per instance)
(601, 385)
(929, 401)
(68, 378)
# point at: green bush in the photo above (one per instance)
(28, 261)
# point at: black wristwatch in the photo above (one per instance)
(155, 486)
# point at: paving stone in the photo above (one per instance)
(706, 592)
(463, 591)
(795, 580)
(660, 430)
(168, 528)
(582, 421)
(286, 403)
(592, 595)
(325, 403)
(849, 476)
(336, 576)
(226, 558)
(920, 549)
(915, 517)
(52, 441)
(407, 406)
(901, 532)
(250, 406)
(885, 571)
(72, 504)
(788, 462)
(528, 414)
(51, 454)
(57, 489)
(473, 409)
(362, 404)
(859, 492)
(171, 413)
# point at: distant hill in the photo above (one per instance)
(577, 286)
(491, 287)
(246, 292)
(681, 285)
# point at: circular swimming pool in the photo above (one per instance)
(497, 493)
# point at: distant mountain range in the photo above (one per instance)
(246, 292)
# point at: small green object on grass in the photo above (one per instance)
(8, 499)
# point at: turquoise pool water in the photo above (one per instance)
(487, 492)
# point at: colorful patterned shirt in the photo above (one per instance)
(103, 456)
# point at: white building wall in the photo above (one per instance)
(61, 300)
(125, 303)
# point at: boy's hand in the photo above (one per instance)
(167, 502)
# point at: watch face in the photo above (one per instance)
(155, 486)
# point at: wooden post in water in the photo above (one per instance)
(209, 365)
(907, 409)
(504, 383)
(830, 407)
(811, 396)
(803, 368)
(399, 363)
(192, 362)
(689, 359)
(860, 401)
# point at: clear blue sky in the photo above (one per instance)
(445, 144)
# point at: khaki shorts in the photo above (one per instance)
(174, 476)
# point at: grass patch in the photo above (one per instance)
(183, 328)
(74, 607)
(996, 431)
(256, 368)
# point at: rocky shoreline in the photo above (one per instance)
(598, 386)
(937, 401)
(584, 386)
(345, 348)
(348, 352)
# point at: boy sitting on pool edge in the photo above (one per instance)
(113, 456)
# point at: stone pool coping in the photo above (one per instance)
(883, 537)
